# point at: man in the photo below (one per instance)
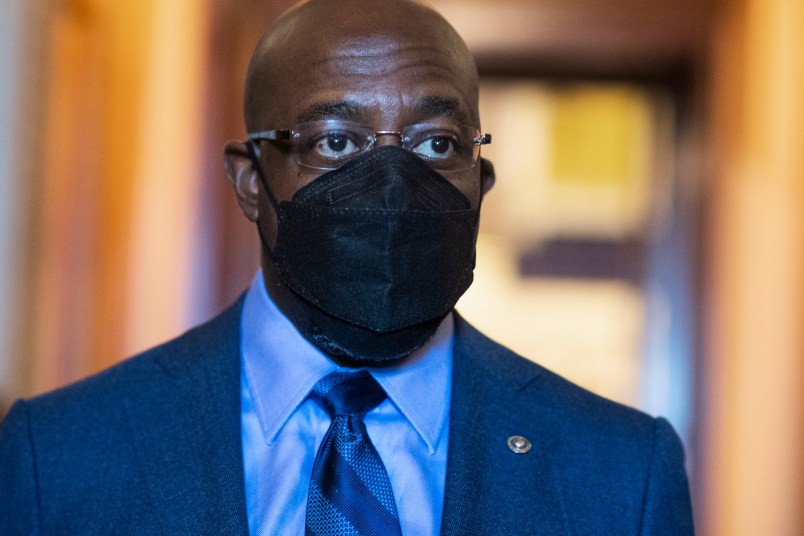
(363, 177)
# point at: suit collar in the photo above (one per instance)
(189, 424)
(279, 385)
(489, 488)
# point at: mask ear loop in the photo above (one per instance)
(255, 161)
(477, 222)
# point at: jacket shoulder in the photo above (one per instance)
(605, 467)
(541, 388)
(74, 457)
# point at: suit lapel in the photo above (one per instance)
(490, 489)
(186, 425)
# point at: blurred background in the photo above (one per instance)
(644, 237)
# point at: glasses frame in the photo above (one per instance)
(287, 135)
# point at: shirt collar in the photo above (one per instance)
(280, 368)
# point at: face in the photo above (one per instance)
(384, 65)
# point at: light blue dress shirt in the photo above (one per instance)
(282, 430)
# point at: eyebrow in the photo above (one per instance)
(331, 110)
(436, 106)
(424, 108)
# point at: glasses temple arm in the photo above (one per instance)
(485, 139)
(272, 135)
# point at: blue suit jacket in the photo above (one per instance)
(152, 446)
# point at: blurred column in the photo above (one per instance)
(163, 270)
(12, 190)
(94, 80)
(24, 51)
(115, 195)
(753, 421)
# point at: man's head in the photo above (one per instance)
(385, 65)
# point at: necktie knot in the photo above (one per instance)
(348, 393)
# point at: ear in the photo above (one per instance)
(487, 176)
(242, 175)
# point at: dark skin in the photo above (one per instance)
(384, 64)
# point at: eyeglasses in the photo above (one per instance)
(330, 144)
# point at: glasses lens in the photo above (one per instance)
(444, 146)
(329, 144)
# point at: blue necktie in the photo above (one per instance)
(350, 493)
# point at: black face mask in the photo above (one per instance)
(376, 254)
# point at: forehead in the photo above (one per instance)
(385, 79)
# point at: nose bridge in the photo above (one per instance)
(387, 137)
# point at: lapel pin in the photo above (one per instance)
(519, 444)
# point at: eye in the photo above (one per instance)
(334, 145)
(436, 147)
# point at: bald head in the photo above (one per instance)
(364, 38)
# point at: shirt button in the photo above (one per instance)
(519, 444)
